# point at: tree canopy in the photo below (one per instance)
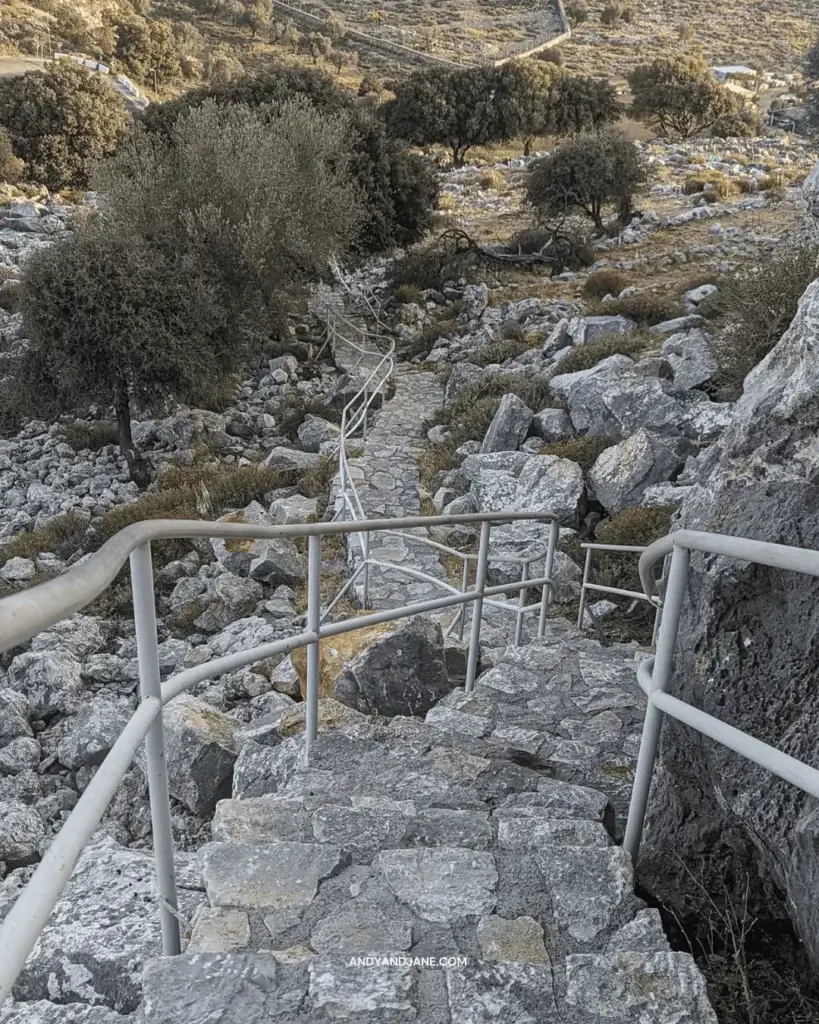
(60, 121)
(679, 96)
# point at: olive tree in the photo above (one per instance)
(589, 174)
(679, 96)
(208, 238)
(60, 121)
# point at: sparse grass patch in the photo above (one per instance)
(434, 459)
(62, 536)
(604, 282)
(469, 415)
(634, 526)
(757, 308)
(643, 307)
(91, 435)
(425, 340)
(582, 450)
(492, 180)
(714, 184)
(408, 293)
(584, 357)
(501, 349)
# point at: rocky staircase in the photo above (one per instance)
(452, 871)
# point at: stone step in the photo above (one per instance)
(259, 987)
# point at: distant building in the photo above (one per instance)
(722, 74)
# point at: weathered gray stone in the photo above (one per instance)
(552, 425)
(17, 570)
(644, 934)
(441, 883)
(361, 930)
(21, 831)
(41, 1011)
(509, 426)
(314, 431)
(691, 358)
(277, 562)
(747, 640)
(621, 474)
(295, 509)
(403, 672)
(50, 681)
(590, 887)
(219, 930)
(228, 598)
(235, 988)
(530, 834)
(18, 755)
(350, 991)
(442, 826)
(14, 716)
(638, 987)
(104, 927)
(360, 831)
(199, 752)
(512, 992)
(93, 731)
(291, 458)
(519, 940)
(275, 876)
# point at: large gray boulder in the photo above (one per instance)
(51, 682)
(21, 832)
(401, 672)
(199, 752)
(691, 358)
(621, 474)
(14, 716)
(228, 598)
(614, 399)
(747, 649)
(509, 426)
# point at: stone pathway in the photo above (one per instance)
(386, 476)
(491, 888)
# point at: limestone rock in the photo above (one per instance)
(41, 1011)
(219, 930)
(519, 940)
(441, 883)
(18, 755)
(21, 831)
(51, 682)
(93, 731)
(14, 716)
(228, 598)
(509, 426)
(691, 358)
(199, 753)
(104, 927)
(621, 474)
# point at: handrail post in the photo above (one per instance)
(660, 677)
(313, 626)
(546, 598)
(364, 421)
(142, 587)
(464, 589)
(477, 607)
(366, 571)
(586, 574)
(524, 576)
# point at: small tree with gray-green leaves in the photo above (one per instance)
(589, 174)
(679, 97)
(209, 237)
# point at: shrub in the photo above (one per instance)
(424, 342)
(189, 270)
(757, 308)
(585, 357)
(582, 450)
(60, 121)
(634, 526)
(501, 349)
(577, 13)
(148, 50)
(604, 282)
(611, 14)
(588, 174)
(62, 536)
(469, 415)
(93, 435)
(11, 167)
(643, 307)
(583, 104)
(408, 293)
(679, 96)
(719, 184)
(492, 179)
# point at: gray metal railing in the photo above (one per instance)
(654, 673)
(27, 613)
(654, 600)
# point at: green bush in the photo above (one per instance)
(62, 536)
(11, 167)
(501, 349)
(717, 183)
(582, 450)
(584, 357)
(60, 122)
(423, 343)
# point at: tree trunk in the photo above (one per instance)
(137, 466)
(527, 146)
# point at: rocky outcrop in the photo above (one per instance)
(748, 642)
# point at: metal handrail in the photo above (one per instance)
(27, 613)
(585, 586)
(654, 673)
